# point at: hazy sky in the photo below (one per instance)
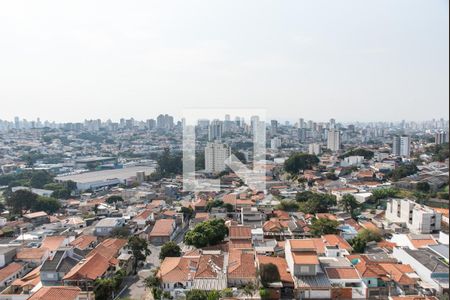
(351, 60)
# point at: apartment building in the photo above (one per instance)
(417, 218)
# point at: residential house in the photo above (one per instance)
(58, 292)
(37, 218)
(162, 231)
(34, 257)
(429, 265)
(10, 273)
(6, 255)
(241, 268)
(57, 266)
(105, 226)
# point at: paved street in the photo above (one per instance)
(136, 287)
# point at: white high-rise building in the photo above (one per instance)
(314, 149)
(215, 131)
(275, 143)
(441, 137)
(405, 146)
(334, 140)
(216, 155)
(396, 145)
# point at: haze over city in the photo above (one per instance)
(362, 61)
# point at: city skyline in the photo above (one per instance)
(293, 59)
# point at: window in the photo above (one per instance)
(304, 269)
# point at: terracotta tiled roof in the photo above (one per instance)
(241, 264)
(144, 215)
(240, 244)
(369, 225)
(275, 225)
(398, 273)
(302, 244)
(422, 242)
(31, 279)
(281, 266)
(209, 265)
(31, 253)
(281, 214)
(53, 242)
(176, 269)
(91, 268)
(333, 240)
(9, 270)
(305, 258)
(443, 211)
(326, 216)
(163, 227)
(83, 241)
(109, 248)
(353, 223)
(240, 232)
(56, 293)
(342, 273)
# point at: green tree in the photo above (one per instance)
(348, 203)
(363, 237)
(269, 273)
(423, 187)
(21, 200)
(48, 204)
(104, 288)
(40, 178)
(213, 203)
(169, 164)
(249, 289)
(368, 235)
(358, 152)
(170, 249)
(213, 295)
(403, 171)
(152, 281)
(226, 293)
(315, 203)
(207, 233)
(139, 248)
(196, 294)
(299, 162)
(288, 205)
(358, 244)
(114, 199)
(122, 232)
(187, 212)
(322, 226)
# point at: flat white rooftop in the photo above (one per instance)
(105, 175)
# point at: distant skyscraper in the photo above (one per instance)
(164, 122)
(401, 146)
(215, 156)
(334, 140)
(301, 123)
(273, 127)
(441, 137)
(215, 131)
(396, 145)
(405, 146)
(314, 149)
(275, 143)
(332, 123)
